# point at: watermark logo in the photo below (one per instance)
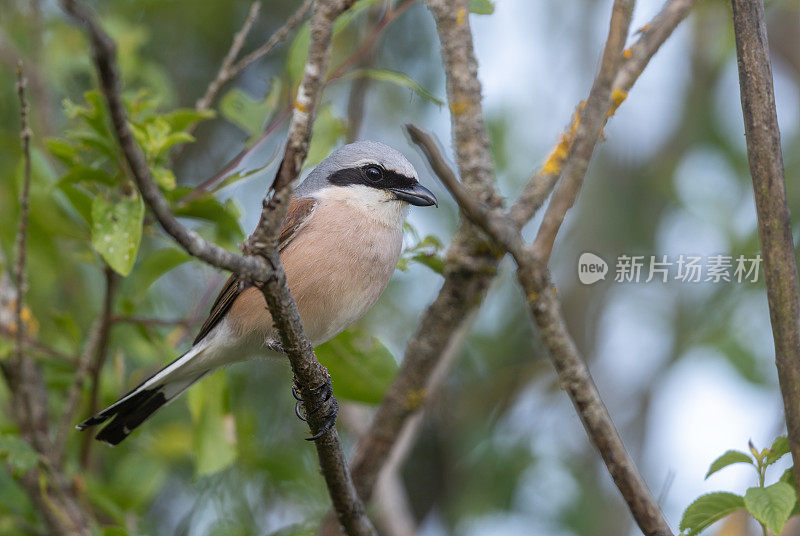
(662, 268)
(591, 268)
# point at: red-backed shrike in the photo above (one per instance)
(339, 245)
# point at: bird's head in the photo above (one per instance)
(369, 175)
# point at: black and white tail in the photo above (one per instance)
(138, 405)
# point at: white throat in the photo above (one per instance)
(373, 203)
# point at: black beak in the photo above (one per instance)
(416, 195)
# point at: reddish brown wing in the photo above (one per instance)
(296, 216)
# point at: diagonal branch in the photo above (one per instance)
(635, 59)
(263, 269)
(573, 373)
(774, 222)
(591, 118)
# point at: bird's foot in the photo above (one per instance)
(323, 394)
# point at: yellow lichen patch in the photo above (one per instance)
(300, 106)
(618, 96)
(459, 106)
(461, 16)
(643, 29)
(555, 159)
(627, 53)
(415, 398)
(31, 324)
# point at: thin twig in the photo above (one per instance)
(274, 40)
(90, 362)
(31, 343)
(225, 74)
(269, 275)
(146, 321)
(774, 222)
(24, 208)
(591, 119)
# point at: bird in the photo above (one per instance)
(339, 244)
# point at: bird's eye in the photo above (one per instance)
(374, 173)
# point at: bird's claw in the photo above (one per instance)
(328, 423)
(329, 418)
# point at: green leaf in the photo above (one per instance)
(708, 509)
(248, 113)
(328, 130)
(361, 367)
(64, 151)
(225, 216)
(771, 505)
(298, 52)
(788, 476)
(115, 531)
(154, 265)
(426, 251)
(80, 174)
(397, 78)
(729, 458)
(183, 118)
(165, 178)
(17, 453)
(117, 230)
(779, 448)
(481, 7)
(214, 427)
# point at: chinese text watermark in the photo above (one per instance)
(664, 268)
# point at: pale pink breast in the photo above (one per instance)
(337, 267)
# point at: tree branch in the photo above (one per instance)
(24, 209)
(590, 119)
(573, 373)
(470, 263)
(774, 221)
(471, 260)
(269, 275)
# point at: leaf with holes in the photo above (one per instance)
(117, 230)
